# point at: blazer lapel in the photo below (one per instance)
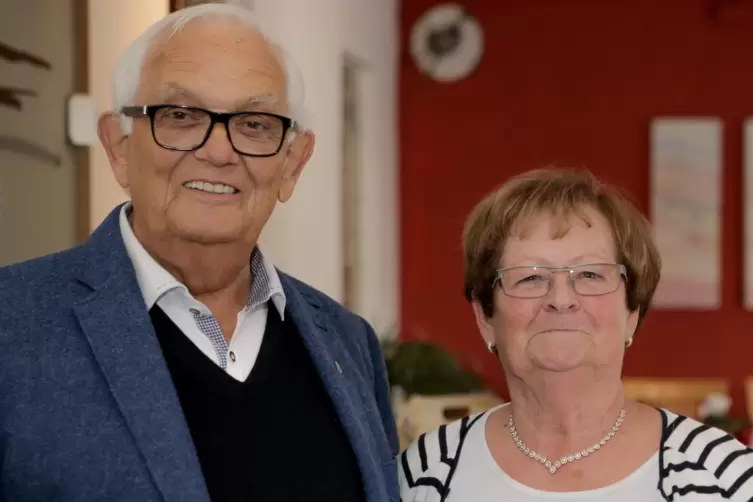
(320, 339)
(116, 323)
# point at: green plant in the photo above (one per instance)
(426, 368)
(714, 410)
(731, 425)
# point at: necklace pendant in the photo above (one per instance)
(554, 467)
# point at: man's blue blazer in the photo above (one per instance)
(88, 411)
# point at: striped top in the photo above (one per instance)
(697, 462)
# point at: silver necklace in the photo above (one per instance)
(553, 466)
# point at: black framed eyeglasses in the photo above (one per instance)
(535, 281)
(187, 128)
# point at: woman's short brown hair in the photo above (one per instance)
(561, 192)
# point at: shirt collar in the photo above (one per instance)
(154, 281)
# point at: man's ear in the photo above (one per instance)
(298, 155)
(115, 143)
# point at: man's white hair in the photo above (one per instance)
(127, 75)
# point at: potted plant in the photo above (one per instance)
(426, 368)
(714, 411)
(429, 388)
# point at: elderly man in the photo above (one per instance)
(166, 358)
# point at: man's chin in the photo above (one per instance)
(207, 233)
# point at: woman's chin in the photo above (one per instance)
(562, 354)
(559, 364)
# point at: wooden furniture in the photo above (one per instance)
(419, 414)
(680, 395)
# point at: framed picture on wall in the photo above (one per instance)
(748, 211)
(686, 196)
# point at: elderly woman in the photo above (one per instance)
(560, 271)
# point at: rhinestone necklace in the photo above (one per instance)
(553, 466)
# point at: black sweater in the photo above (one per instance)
(274, 437)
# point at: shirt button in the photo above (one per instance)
(232, 356)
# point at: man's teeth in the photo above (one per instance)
(205, 186)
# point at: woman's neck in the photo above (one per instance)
(560, 414)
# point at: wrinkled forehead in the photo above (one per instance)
(215, 63)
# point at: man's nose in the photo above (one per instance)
(217, 150)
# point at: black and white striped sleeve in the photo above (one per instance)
(697, 459)
(426, 466)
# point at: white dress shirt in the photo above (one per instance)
(195, 320)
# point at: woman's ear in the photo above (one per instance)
(631, 326)
(484, 324)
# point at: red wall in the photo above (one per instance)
(576, 81)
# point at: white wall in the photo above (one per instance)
(304, 237)
(113, 25)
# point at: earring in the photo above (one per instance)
(491, 347)
(629, 341)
